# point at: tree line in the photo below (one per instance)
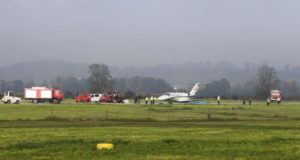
(101, 80)
(258, 87)
(98, 81)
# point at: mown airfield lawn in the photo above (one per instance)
(149, 132)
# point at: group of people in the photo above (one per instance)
(244, 100)
(137, 99)
(151, 100)
(249, 101)
(278, 100)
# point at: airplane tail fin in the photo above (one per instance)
(195, 89)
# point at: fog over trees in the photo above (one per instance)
(266, 80)
(176, 74)
(99, 78)
(221, 78)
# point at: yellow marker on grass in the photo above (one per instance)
(107, 146)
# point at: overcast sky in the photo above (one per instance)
(150, 32)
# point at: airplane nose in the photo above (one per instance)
(160, 98)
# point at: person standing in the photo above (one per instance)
(244, 101)
(139, 99)
(268, 101)
(218, 99)
(278, 100)
(146, 100)
(135, 100)
(250, 101)
(152, 99)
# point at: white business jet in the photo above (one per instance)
(179, 96)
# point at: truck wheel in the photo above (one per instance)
(55, 101)
(17, 102)
(8, 102)
(35, 101)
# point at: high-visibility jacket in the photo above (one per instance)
(268, 100)
(218, 98)
(278, 99)
(147, 99)
(151, 98)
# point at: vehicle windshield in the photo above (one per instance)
(57, 92)
(112, 94)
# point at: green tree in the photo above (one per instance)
(266, 80)
(100, 78)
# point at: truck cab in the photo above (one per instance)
(275, 94)
(9, 97)
(57, 94)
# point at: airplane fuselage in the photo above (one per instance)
(175, 97)
(179, 96)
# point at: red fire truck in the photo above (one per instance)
(275, 94)
(43, 94)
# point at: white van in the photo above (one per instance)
(95, 97)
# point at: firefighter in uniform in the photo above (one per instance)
(152, 100)
(268, 101)
(146, 100)
(278, 100)
(218, 99)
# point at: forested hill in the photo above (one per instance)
(43, 70)
(190, 73)
(183, 74)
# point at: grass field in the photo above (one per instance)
(70, 131)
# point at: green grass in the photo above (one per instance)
(155, 112)
(149, 132)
